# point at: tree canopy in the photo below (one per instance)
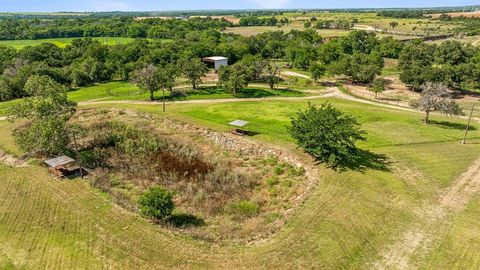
(48, 110)
(436, 97)
(327, 134)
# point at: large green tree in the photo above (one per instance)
(359, 67)
(327, 134)
(233, 78)
(193, 70)
(47, 110)
(148, 79)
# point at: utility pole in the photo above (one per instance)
(76, 152)
(468, 125)
(163, 99)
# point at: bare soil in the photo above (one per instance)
(11, 160)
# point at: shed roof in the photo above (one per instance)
(58, 161)
(239, 123)
(215, 58)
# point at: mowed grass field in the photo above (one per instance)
(345, 223)
(62, 42)
(121, 90)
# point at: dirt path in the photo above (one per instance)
(294, 74)
(328, 93)
(433, 218)
(366, 28)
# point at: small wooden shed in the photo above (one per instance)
(60, 165)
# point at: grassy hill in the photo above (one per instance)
(346, 222)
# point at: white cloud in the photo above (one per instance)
(271, 3)
(109, 5)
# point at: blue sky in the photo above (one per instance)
(160, 5)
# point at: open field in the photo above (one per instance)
(63, 42)
(121, 90)
(406, 27)
(127, 91)
(457, 14)
(347, 221)
(242, 194)
(473, 40)
(255, 30)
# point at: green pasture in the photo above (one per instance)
(345, 223)
(63, 42)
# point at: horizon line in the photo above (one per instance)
(246, 9)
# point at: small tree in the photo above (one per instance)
(48, 111)
(193, 69)
(378, 86)
(233, 78)
(318, 71)
(156, 203)
(271, 73)
(147, 79)
(393, 24)
(168, 76)
(436, 97)
(327, 134)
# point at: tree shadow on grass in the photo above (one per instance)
(185, 220)
(363, 160)
(260, 93)
(450, 125)
(253, 93)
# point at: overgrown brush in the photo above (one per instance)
(114, 148)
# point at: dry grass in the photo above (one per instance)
(475, 14)
(296, 25)
(129, 155)
(347, 220)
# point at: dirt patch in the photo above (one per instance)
(433, 217)
(11, 160)
(396, 92)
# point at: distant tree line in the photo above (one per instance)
(264, 21)
(86, 61)
(451, 63)
(469, 26)
(16, 29)
(357, 56)
(403, 14)
(330, 24)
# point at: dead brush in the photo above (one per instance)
(146, 160)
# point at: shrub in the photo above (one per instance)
(156, 203)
